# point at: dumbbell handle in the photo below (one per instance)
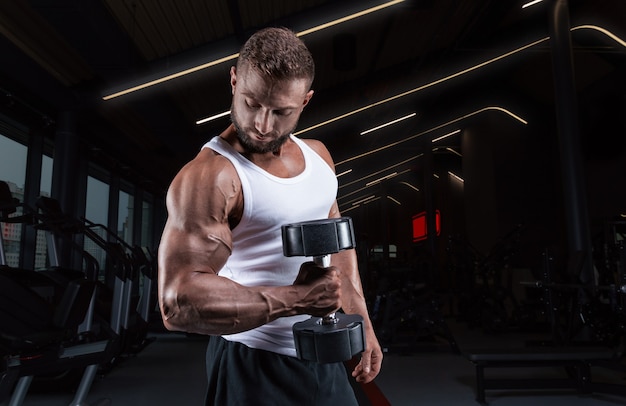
(324, 262)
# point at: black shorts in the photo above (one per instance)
(239, 375)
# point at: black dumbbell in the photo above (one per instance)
(332, 338)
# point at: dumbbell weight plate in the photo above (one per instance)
(318, 237)
(325, 343)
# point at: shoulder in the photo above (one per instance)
(206, 185)
(320, 149)
(208, 167)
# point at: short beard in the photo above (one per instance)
(271, 146)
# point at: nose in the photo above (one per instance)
(263, 121)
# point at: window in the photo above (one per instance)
(125, 217)
(46, 176)
(41, 247)
(12, 171)
(147, 223)
(97, 211)
(378, 252)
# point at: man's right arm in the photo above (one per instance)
(195, 245)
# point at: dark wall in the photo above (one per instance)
(511, 180)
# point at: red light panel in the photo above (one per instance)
(420, 229)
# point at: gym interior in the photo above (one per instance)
(480, 150)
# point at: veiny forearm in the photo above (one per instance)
(194, 298)
(353, 300)
(206, 303)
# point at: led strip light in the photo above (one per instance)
(235, 55)
(460, 73)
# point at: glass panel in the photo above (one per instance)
(13, 172)
(97, 211)
(393, 251)
(376, 253)
(46, 175)
(125, 217)
(41, 247)
(147, 224)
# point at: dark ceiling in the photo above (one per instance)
(419, 56)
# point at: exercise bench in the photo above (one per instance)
(577, 359)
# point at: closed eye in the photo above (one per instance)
(282, 112)
(252, 105)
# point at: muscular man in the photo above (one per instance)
(221, 267)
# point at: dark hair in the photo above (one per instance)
(278, 54)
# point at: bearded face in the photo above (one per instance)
(265, 111)
(252, 141)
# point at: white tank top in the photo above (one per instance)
(257, 258)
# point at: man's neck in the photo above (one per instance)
(286, 162)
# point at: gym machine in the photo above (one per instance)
(139, 284)
(60, 340)
(587, 325)
(486, 298)
(409, 319)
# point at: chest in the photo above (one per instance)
(287, 162)
(282, 168)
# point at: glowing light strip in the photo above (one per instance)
(354, 200)
(367, 200)
(236, 55)
(204, 120)
(532, 3)
(381, 171)
(344, 173)
(373, 200)
(397, 120)
(603, 31)
(172, 76)
(391, 175)
(365, 187)
(394, 200)
(497, 108)
(348, 18)
(417, 89)
(457, 177)
(453, 151)
(446, 136)
(364, 200)
(411, 186)
(426, 86)
(457, 74)
(348, 209)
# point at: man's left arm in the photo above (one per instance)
(353, 302)
(352, 297)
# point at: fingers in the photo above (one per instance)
(319, 290)
(310, 272)
(362, 373)
(369, 366)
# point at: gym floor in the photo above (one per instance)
(170, 371)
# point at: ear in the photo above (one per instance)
(233, 78)
(307, 98)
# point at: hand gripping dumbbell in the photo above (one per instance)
(332, 338)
